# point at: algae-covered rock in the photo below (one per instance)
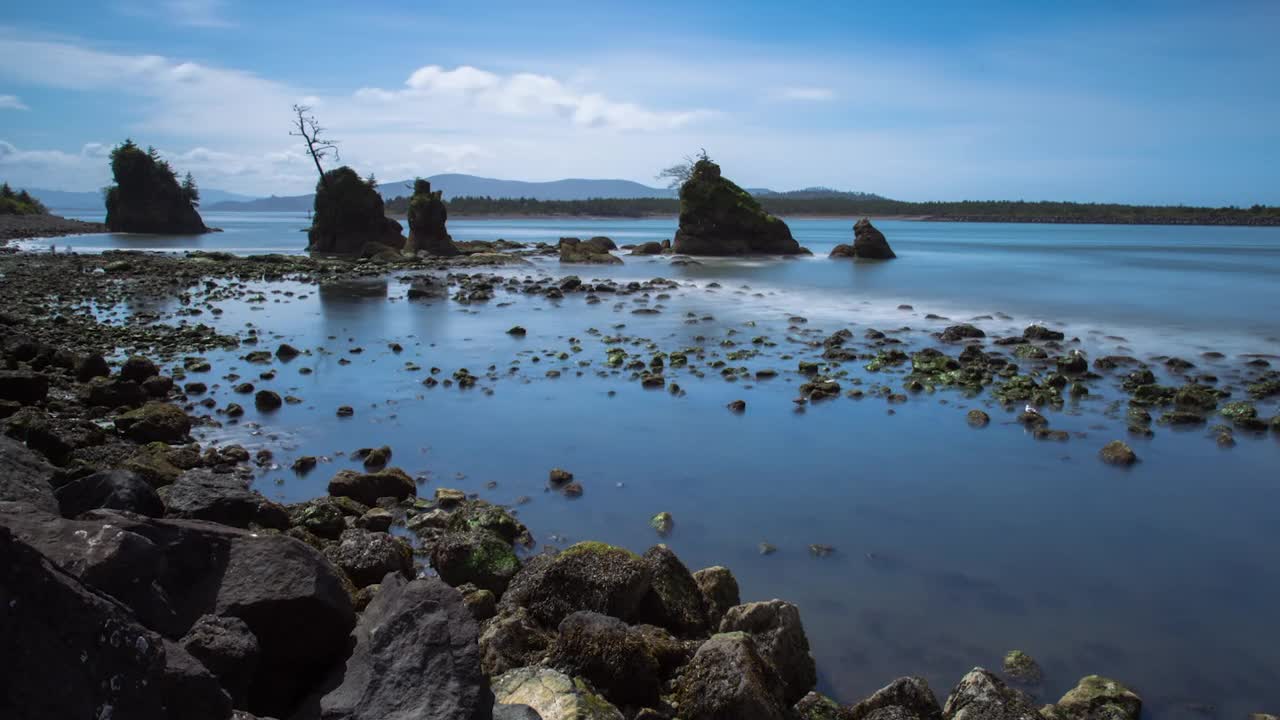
(573, 250)
(368, 487)
(479, 557)
(427, 216)
(674, 601)
(155, 422)
(350, 215)
(553, 695)
(1022, 667)
(816, 706)
(980, 695)
(610, 655)
(1118, 452)
(147, 197)
(719, 218)
(728, 678)
(720, 591)
(1097, 698)
(586, 576)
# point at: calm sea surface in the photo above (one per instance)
(953, 545)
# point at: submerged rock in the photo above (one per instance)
(719, 218)
(1118, 452)
(427, 216)
(350, 217)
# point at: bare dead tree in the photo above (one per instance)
(309, 129)
(679, 174)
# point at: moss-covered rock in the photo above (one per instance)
(1119, 453)
(147, 197)
(350, 217)
(907, 698)
(1097, 698)
(727, 678)
(427, 216)
(573, 250)
(674, 601)
(610, 655)
(368, 487)
(1022, 667)
(587, 576)
(719, 218)
(155, 421)
(479, 557)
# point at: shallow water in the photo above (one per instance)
(953, 545)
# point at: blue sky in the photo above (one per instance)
(1163, 102)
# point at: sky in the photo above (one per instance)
(1146, 102)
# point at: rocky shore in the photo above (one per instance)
(18, 227)
(141, 565)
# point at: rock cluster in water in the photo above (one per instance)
(146, 196)
(350, 218)
(719, 218)
(427, 216)
(868, 242)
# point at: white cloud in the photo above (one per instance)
(527, 94)
(12, 102)
(807, 93)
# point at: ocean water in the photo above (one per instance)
(952, 544)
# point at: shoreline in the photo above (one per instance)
(21, 227)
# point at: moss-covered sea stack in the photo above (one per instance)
(427, 216)
(719, 218)
(147, 197)
(350, 218)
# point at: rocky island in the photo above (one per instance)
(147, 197)
(427, 217)
(719, 218)
(350, 218)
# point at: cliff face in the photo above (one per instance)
(146, 196)
(427, 216)
(719, 218)
(350, 218)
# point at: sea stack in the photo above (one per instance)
(427, 216)
(146, 196)
(868, 242)
(350, 218)
(719, 218)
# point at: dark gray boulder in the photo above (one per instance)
(515, 712)
(368, 487)
(224, 498)
(23, 386)
(779, 636)
(727, 679)
(909, 698)
(25, 477)
(586, 576)
(479, 557)
(415, 656)
(71, 652)
(111, 489)
(674, 600)
(229, 649)
(512, 640)
(868, 242)
(368, 556)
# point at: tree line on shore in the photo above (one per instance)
(871, 205)
(19, 202)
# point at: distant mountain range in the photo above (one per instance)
(63, 200)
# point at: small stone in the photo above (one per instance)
(1118, 453)
(559, 476)
(738, 406)
(820, 550)
(267, 400)
(663, 523)
(517, 331)
(346, 411)
(1022, 667)
(978, 418)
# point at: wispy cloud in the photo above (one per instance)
(809, 94)
(12, 102)
(529, 94)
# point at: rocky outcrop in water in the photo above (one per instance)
(868, 242)
(147, 197)
(350, 218)
(427, 216)
(719, 218)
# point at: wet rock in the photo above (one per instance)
(481, 603)
(229, 649)
(223, 498)
(738, 406)
(779, 636)
(368, 487)
(1040, 332)
(323, 517)
(553, 695)
(366, 557)
(515, 712)
(25, 477)
(662, 523)
(648, 248)
(91, 366)
(477, 557)
(719, 590)
(1096, 698)
(611, 656)
(111, 489)
(112, 393)
(155, 421)
(1022, 667)
(104, 658)
(907, 698)
(426, 289)
(376, 520)
(374, 458)
(23, 386)
(980, 695)
(138, 369)
(586, 576)
(287, 352)
(511, 640)
(958, 333)
(978, 418)
(267, 400)
(573, 250)
(727, 678)
(719, 218)
(559, 476)
(415, 656)
(674, 600)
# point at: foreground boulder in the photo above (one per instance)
(146, 196)
(350, 217)
(726, 679)
(155, 421)
(223, 498)
(980, 695)
(415, 657)
(110, 489)
(25, 477)
(71, 652)
(553, 695)
(229, 649)
(719, 218)
(674, 600)
(1096, 698)
(586, 576)
(868, 242)
(427, 216)
(775, 627)
(907, 698)
(610, 655)
(173, 572)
